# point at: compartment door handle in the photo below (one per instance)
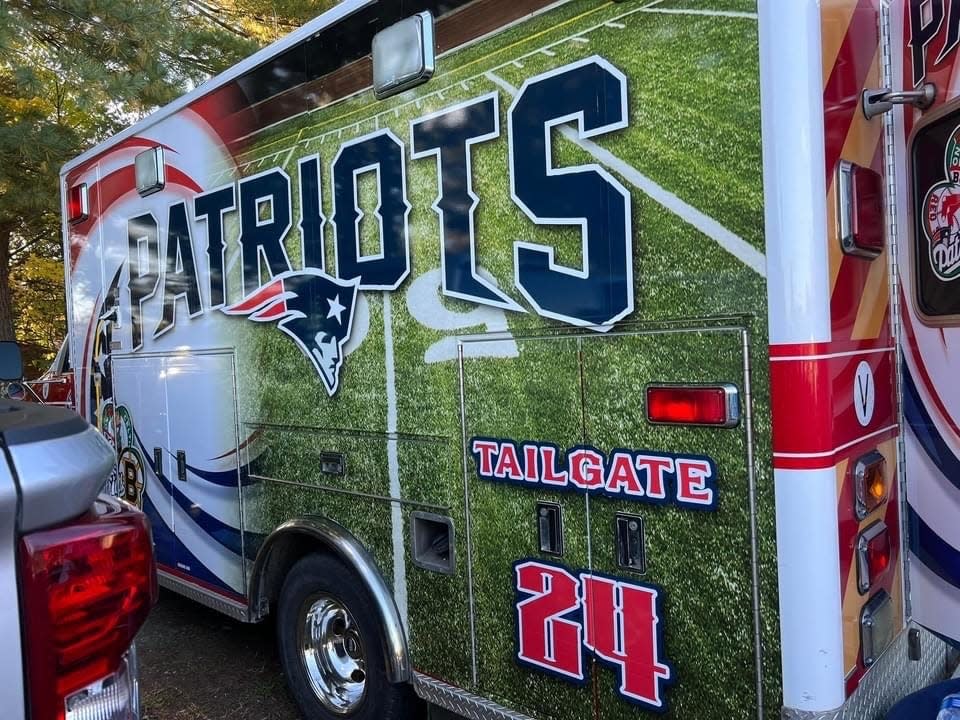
(181, 466)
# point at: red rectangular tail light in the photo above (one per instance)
(874, 556)
(711, 405)
(87, 589)
(78, 203)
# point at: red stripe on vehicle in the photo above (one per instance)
(109, 190)
(841, 96)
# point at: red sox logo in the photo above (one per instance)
(560, 614)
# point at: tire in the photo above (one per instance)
(342, 674)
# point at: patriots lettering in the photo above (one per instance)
(632, 474)
(449, 136)
(180, 270)
(143, 244)
(594, 94)
(381, 153)
(212, 206)
(926, 24)
(559, 615)
(264, 222)
(315, 308)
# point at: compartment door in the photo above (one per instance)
(930, 345)
(506, 400)
(139, 421)
(202, 463)
(673, 600)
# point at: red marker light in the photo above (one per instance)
(874, 556)
(869, 483)
(78, 204)
(712, 405)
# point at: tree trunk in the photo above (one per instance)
(6, 294)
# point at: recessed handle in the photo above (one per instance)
(630, 551)
(550, 528)
(181, 466)
(158, 462)
(333, 463)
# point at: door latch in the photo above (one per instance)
(878, 101)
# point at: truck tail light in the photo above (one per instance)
(87, 589)
(874, 556)
(713, 405)
(78, 203)
(869, 483)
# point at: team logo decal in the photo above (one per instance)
(941, 220)
(131, 477)
(314, 309)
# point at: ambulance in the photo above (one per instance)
(549, 359)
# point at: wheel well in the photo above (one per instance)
(284, 552)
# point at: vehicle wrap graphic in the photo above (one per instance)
(314, 309)
(652, 477)
(560, 615)
(519, 247)
(941, 217)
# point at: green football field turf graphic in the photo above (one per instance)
(693, 91)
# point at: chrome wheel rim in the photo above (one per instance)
(333, 655)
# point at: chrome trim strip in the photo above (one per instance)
(461, 702)
(236, 610)
(466, 523)
(348, 549)
(352, 493)
(754, 531)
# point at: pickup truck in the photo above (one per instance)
(76, 571)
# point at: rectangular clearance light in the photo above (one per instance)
(874, 554)
(710, 405)
(877, 627)
(860, 210)
(149, 171)
(869, 483)
(78, 203)
(403, 55)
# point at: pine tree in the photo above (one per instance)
(73, 72)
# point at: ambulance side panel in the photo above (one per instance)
(442, 314)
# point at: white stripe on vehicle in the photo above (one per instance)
(393, 470)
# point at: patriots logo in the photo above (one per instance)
(314, 309)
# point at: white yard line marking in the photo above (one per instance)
(393, 470)
(707, 13)
(732, 243)
(615, 25)
(579, 39)
(650, 5)
(548, 53)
